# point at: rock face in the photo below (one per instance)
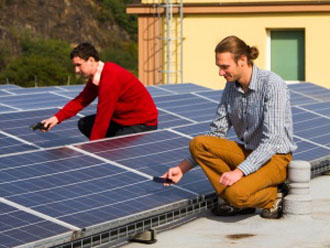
(74, 21)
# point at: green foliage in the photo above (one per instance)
(47, 60)
(44, 61)
(125, 56)
(3, 56)
(115, 11)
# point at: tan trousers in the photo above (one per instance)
(259, 189)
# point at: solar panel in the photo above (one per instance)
(158, 91)
(188, 106)
(311, 90)
(319, 108)
(194, 129)
(308, 151)
(33, 101)
(78, 189)
(18, 124)
(10, 145)
(18, 227)
(152, 153)
(5, 109)
(299, 99)
(167, 120)
(107, 184)
(9, 86)
(214, 95)
(4, 93)
(19, 91)
(76, 88)
(182, 88)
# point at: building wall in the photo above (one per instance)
(205, 26)
(203, 32)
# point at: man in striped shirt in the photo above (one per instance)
(256, 103)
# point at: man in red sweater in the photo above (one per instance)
(124, 105)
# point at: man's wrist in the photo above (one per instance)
(239, 172)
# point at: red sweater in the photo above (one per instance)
(122, 98)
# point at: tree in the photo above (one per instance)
(44, 61)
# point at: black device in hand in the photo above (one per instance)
(162, 180)
(39, 126)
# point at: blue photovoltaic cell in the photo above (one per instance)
(153, 154)
(213, 94)
(10, 145)
(68, 94)
(299, 99)
(313, 132)
(203, 128)
(34, 101)
(308, 151)
(299, 115)
(3, 93)
(31, 90)
(24, 118)
(155, 91)
(311, 90)
(166, 120)
(310, 124)
(203, 113)
(8, 86)
(79, 189)
(18, 227)
(194, 129)
(183, 88)
(176, 100)
(296, 110)
(320, 108)
(188, 106)
(76, 88)
(4, 109)
(19, 123)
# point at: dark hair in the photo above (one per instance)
(84, 51)
(237, 47)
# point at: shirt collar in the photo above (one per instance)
(97, 75)
(253, 83)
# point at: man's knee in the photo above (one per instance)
(196, 145)
(81, 124)
(237, 197)
(85, 125)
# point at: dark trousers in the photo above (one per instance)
(86, 123)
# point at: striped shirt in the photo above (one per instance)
(261, 118)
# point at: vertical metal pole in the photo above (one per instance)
(160, 39)
(181, 41)
(168, 39)
(35, 81)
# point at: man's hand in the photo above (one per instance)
(49, 123)
(231, 177)
(176, 173)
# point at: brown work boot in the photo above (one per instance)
(226, 209)
(276, 211)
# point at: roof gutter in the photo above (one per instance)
(234, 8)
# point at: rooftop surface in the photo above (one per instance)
(252, 231)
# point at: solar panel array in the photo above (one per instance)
(57, 187)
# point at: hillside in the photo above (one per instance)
(62, 24)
